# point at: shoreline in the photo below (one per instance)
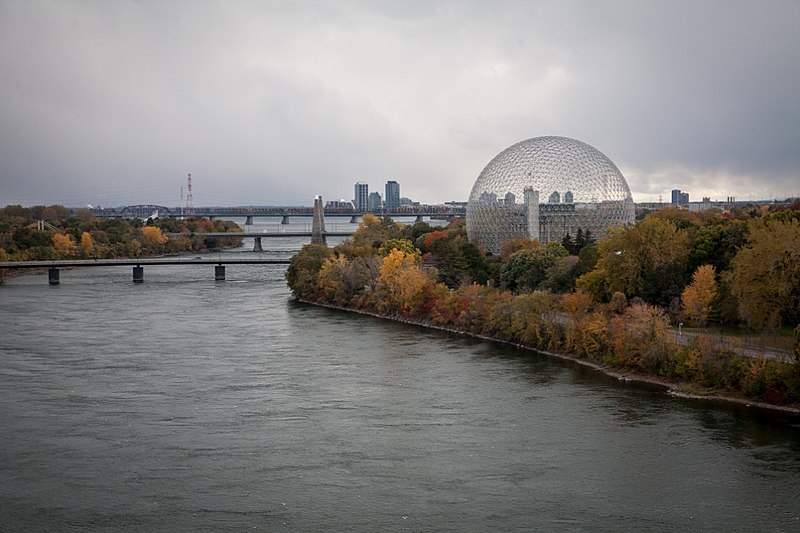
(670, 388)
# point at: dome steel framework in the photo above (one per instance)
(545, 188)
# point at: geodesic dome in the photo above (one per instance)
(544, 188)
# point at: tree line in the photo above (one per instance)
(82, 235)
(610, 301)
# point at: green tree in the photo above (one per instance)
(527, 269)
(646, 260)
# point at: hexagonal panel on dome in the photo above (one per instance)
(544, 188)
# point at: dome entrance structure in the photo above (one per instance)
(544, 188)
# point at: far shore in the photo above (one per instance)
(678, 390)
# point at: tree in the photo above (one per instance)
(373, 231)
(402, 285)
(698, 297)
(63, 245)
(87, 244)
(527, 269)
(646, 260)
(511, 246)
(153, 236)
(765, 275)
(304, 268)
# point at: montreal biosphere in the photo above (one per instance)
(545, 188)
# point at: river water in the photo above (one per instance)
(184, 404)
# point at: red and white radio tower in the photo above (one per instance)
(189, 209)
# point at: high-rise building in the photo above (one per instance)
(361, 198)
(676, 196)
(684, 199)
(374, 202)
(392, 197)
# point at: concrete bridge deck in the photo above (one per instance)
(138, 264)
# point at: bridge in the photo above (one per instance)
(257, 247)
(437, 212)
(138, 264)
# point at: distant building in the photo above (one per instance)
(339, 204)
(679, 198)
(374, 202)
(555, 198)
(568, 197)
(392, 197)
(361, 198)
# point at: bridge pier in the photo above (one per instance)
(285, 219)
(418, 219)
(257, 245)
(354, 219)
(53, 276)
(138, 274)
(249, 221)
(219, 273)
(318, 223)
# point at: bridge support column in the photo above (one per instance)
(354, 219)
(285, 219)
(138, 274)
(249, 221)
(418, 219)
(318, 223)
(219, 273)
(257, 245)
(53, 276)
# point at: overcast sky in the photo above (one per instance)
(270, 103)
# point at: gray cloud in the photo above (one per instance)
(272, 103)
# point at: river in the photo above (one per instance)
(184, 404)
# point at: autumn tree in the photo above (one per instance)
(402, 285)
(87, 244)
(373, 231)
(153, 236)
(63, 245)
(765, 275)
(698, 297)
(646, 260)
(511, 246)
(304, 268)
(340, 279)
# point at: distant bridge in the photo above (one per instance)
(257, 247)
(54, 275)
(438, 212)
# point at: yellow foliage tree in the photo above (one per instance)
(63, 245)
(87, 244)
(765, 277)
(402, 282)
(698, 297)
(153, 236)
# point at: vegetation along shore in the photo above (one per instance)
(617, 304)
(42, 233)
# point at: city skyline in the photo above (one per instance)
(271, 104)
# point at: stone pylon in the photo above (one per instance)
(318, 223)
